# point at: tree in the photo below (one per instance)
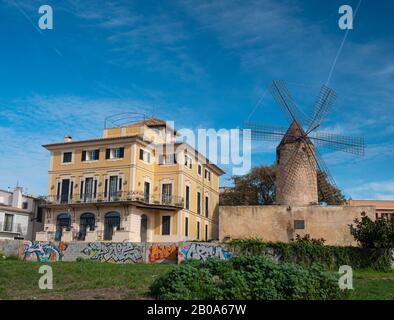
(373, 234)
(254, 188)
(258, 188)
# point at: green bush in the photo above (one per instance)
(370, 233)
(308, 251)
(246, 277)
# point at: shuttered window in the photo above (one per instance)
(165, 225)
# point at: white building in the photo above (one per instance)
(20, 216)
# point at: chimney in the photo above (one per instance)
(17, 197)
(67, 138)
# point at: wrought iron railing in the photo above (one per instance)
(119, 196)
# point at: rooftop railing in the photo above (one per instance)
(118, 196)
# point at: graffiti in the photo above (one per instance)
(42, 251)
(9, 247)
(392, 258)
(114, 252)
(272, 254)
(201, 251)
(163, 253)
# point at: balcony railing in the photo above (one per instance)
(119, 196)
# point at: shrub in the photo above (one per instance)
(307, 251)
(246, 277)
(373, 234)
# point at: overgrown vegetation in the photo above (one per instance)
(307, 251)
(370, 233)
(247, 277)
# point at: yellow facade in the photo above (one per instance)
(126, 187)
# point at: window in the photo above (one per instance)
(67, 157)
(188, 162)
(167, 159)
(198, 230)
(198, 202)
(186, 227)
(146, 191)
(208, 175)
(144, 155)
(206, 206)
(114, 153)
(90, 155)
(25, 205)
(206, 232)
(199, 169)
(8, 222)
(166, 193)
(39, 214)
(187, 198)
(165, 225)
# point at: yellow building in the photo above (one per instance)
(136, 183)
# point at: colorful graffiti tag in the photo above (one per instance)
(114, 252)
(202, 251)
(161, 253)
(42, 251)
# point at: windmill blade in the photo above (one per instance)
(261, 132)
(325, 182)
(283, 97)
(322, 106)
(354, 145)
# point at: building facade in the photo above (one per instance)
(20, 215)
(383, 208)
(136, 183)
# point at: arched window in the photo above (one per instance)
(87, 222)
(63, 221)
(111, 221)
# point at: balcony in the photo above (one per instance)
(136, 197)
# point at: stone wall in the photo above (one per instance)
(283, 223)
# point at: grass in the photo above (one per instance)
(78, 280)
(92, 280)
(372, 285)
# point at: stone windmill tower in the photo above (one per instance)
(301, 175)
(303, 187)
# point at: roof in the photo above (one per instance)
(151, 122)
(13, 209)
(292, 134)
(379, 204)
(55, 144)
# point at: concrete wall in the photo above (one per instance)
(277, 223)
(122, 252)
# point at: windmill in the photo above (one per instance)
(301, 171)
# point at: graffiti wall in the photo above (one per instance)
(9, 247)
(392, 258)
(163, 253)
(42, 251)
(202, 251)
(125, 252)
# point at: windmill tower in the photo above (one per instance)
(301, 175)
(303, 188)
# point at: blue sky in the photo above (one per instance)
(202, 64)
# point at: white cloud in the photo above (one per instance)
(379, 190)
